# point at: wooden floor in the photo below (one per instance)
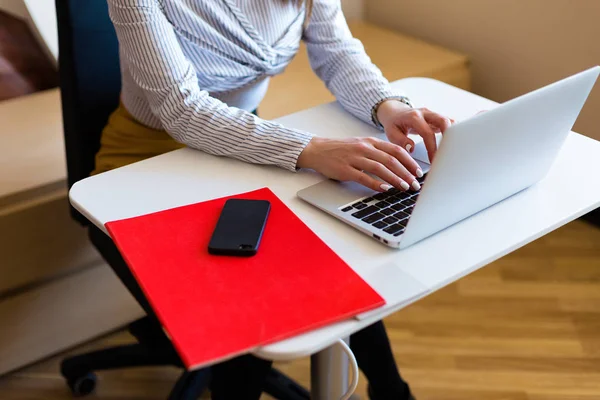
(526, 327)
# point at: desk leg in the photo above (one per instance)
(329, 374)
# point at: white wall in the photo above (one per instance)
(514, 45)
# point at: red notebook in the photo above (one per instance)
(215, 307)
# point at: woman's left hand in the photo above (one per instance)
(398, 120)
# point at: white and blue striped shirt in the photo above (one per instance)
(196, 67)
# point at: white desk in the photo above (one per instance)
(187, 176)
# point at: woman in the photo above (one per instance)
(193, 73)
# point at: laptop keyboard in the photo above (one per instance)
(388, 211)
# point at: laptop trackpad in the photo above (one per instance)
(395, 286)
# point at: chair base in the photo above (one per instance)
(155, 349)
(280, 386)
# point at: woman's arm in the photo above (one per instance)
(188, 113)
(341, 62)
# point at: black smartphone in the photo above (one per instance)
(240, 228)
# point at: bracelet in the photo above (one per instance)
(402, 99)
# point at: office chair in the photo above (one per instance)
(90, 85)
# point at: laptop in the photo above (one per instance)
(480, 161)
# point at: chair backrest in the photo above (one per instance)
(90, 80)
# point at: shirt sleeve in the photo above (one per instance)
(188, 113)
(341, 62)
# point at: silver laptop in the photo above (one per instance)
(481, 161)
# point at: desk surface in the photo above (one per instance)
(401, 276)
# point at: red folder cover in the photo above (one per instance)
(216, 307)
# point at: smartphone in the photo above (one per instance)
(240, 228)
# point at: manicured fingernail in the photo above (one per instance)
(416, 186)
(404, 185)
(385, 186)
(408, 147)
(419, 173)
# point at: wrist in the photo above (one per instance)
(388, 108)
(305, 159)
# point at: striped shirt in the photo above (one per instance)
(195, 68)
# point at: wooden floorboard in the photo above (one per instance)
(526, 327)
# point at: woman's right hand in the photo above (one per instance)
(349, 160)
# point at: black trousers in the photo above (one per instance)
(242, 378)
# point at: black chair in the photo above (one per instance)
(90, 85)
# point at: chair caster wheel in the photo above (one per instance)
(82, 385)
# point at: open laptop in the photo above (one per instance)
(481, 161)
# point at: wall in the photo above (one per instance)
(353, 9)
(514, 45)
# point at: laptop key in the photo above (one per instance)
(364, 212)
(360, 206)
(373, 217)
(403, 222)
(346, 209)
(379, 224)
(387, 211)
(397, 207)
(380, 196)
(394, 199)
(408, 202)
(368, 199)
(382, 204)
(393, 228)
(390, 220)
(400, 232)
(401, 215)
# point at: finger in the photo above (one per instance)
(368, 181)
(404, 158)
(420, 126)
(434, 119)
(398, 137)
(435, 128)
(392, 163)
(381, 171)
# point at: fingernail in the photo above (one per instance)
(408, 147)
(404, 185)
(385, 186)
(419, 173)
(416, 185)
